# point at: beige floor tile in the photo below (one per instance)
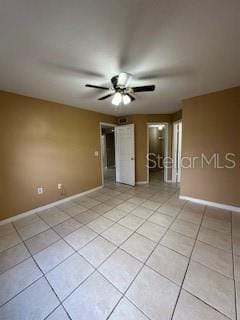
(6, 229)
(142, 212)
(18, 278)
(186, 228)
(41, 241)
(68, 275)
(58, 314)
(40, 302)
(33, 229)
(237, 284)
(161, 219)
(178, 242)
(89, 203)
(114, 202)
(194, 207)
(152, 231)
(216, 239)
(213, 258)
(191, 308)
(100, 224)
(50, 257)
(94, 299)
(152, 205)
(115, 214)
(9, 240)
(117, 234)
(217, 224)
(168, 263)
(74, 210)
(153, 294)
(97, 251)
(190, 217)
(102, 208)
(237, 268)
(169, 210)
(211, 287)
(217, 213)
(126, 310)
(55, 217)
(120, 269)
(86, 216)
(66, 205)
(127, 206)
(20, 223)
(131, 221)
(66, 227)
(80, 237)
(9, 258)
(139, 246)
(136, 200)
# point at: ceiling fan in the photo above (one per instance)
(121, 91)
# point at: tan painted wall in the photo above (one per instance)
(211, 123)
(43, 144)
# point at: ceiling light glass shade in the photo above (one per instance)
(126, 99)
(160, 127)
(117, 98)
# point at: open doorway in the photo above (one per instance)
(107, 135)
(157, 149)
(177, 151)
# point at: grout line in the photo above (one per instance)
(44, 276)
(76, 251)
(144, 264)
(181, 287)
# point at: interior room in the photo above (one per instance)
(108, 153)
(120, 160)
(157, 151)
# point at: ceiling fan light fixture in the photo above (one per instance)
(126, 99)
(117, 99)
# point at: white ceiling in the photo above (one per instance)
(51, 48)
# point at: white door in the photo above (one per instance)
(125, 154)
(177, 150)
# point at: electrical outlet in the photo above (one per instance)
(40, 190)
(96, 153)
(59, 186)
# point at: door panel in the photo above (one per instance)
(125, 154)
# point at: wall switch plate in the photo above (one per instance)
(40, 190)
(96, 153)
(59, 186)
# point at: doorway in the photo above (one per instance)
(107, 136)
(157, 151)
(177, 151)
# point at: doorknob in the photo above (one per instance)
(132, 158)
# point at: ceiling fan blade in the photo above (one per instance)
(107, 96)
(96, 87)
(143, 88)
(131, 97)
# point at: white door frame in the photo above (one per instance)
(165, 147)
(174, 146)
(104, 124)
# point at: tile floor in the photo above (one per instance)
(122, 253)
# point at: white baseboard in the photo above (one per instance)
(47, 206)
(211, 204)
(142, 182)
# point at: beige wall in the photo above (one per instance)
(43, 144)
(211, 123)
